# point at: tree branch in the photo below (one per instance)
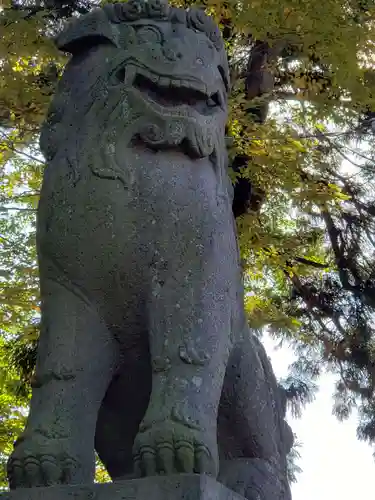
(8, 209)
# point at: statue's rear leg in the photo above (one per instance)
(253, 434)
(76, 359)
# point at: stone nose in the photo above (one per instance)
(172, 50)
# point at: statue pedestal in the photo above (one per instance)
(176, 487)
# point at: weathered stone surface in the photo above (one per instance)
(145, 354)
(177, 487)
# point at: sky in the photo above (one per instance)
(336, 466)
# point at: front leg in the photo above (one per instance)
(76, 360)
(254, 436)
(190, 314)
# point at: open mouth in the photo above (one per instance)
(171, 92)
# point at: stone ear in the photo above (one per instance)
(88, 30)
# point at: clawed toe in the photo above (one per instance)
(45, 470)
(162, 450)
(30, 465)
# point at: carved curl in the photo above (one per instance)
(102, 24)
(198, 20)
(133, 10)
(194, 18)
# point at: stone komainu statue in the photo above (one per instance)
(145, 354)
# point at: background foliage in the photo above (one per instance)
(302, 158)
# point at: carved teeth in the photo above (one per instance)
(154, 78)
(164, 81)
(156, 87)
(147, 74)
(199, 86)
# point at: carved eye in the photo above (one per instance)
(149, 34)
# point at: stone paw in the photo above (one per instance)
(40, 461)
(169, 447)
(254, 479)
